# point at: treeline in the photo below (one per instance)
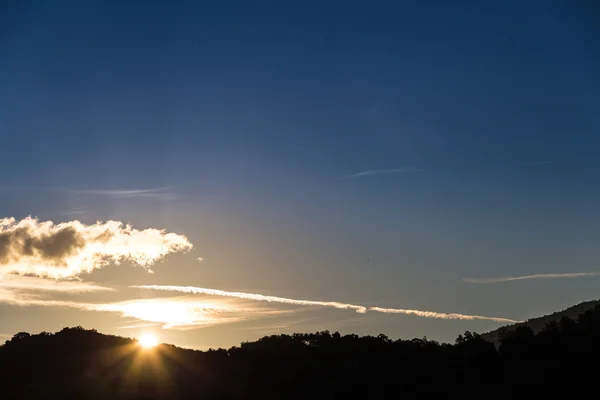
(83, 364)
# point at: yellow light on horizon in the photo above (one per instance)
(147, 341)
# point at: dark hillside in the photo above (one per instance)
(83, 364)
(538, 324)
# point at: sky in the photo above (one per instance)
(214, 172)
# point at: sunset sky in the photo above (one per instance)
(211, 172)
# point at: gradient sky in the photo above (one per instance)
(397, 154)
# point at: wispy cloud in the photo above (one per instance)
(138, 326)
(358, 308)
(184, 312)
(528, 277)
(253, 296)
(164, 193)
(73, 212)
(40, 284)
(170, 313)
(371, 172)
(31, 247)
(438, 315)
(200, 259)
(158, 193)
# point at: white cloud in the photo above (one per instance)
(200, 259)
(31, 247)
(370, 172)
(357, 308)
(170, 313)
(528, 277)
(438, 315)
(186, 312)
(254, 296)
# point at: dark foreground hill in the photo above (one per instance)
(539, 323)
(83, 364)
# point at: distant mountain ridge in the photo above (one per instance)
(537, 324)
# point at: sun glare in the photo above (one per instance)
(148, 341)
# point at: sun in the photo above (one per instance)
(148, 341)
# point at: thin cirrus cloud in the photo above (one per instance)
(185, 312)
(432, 314)
(156, 193)
(170, 313)
(371, 172)
(358, 308)
(164, 193)
(39, 284)
(531, 277)
(253, 296)
(65, 250)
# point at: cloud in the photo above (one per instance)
(357, 308)
(40, 284)
(65, 250)
(200, 259)
(528, 277)
(73, 212)
(184, 312)
(370, 172)
(18, 297)
(432, 314)
(254, 296)
(158, 193)
(171, 313)
(138, 326)
(164, 193)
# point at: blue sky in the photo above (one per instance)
(371, 153)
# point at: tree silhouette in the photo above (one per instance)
(78, 363)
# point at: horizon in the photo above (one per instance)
(212, 173)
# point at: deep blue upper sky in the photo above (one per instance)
(261, 109)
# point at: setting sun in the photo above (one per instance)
(148, 341)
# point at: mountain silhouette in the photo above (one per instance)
(77, 363)
(539, 323)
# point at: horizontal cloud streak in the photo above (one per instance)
(170, 313)
(188, 313)
(182, 313)
(161, 193)
(31, 247)
(528, 277)
(39, 284)
(254, 296)
(385, 171)
(432, 314)
(357, 308)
